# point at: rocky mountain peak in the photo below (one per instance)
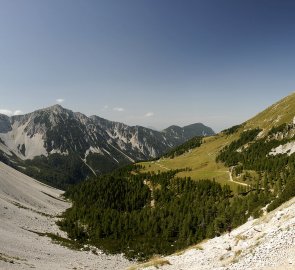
(99, 144)
(56, 108)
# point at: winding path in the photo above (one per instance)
(230, 172)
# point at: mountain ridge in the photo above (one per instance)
(205, 166)
(100, 145)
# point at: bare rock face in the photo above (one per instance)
(5, 125)
(95, 144)
(62, 130)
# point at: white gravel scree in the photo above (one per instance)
(27, 205)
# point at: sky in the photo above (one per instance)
(147, 62)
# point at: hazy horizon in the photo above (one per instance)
(14, 113)
(149, 63)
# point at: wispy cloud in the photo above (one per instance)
(6, 112)
(60, 100)
(105, 107)
(119, 109)
(149, 114)
(10, 113)
(17, 112)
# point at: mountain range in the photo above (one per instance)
(154, 203)
(63, 147)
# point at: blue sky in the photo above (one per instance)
(148, 62)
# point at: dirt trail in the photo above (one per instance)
(162, 166)
(230, 172)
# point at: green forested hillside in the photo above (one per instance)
(202, 159)
(157, 207)
(276, 173)
(185, 147)
(141, 214)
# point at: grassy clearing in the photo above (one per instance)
(200, 160)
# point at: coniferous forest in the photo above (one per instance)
(185, 147)
(141, 214)
(276, 173)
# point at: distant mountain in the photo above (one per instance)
(188, 132)
(62, 147)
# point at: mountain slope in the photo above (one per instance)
(202, 160)
(259, 154)
(144, 213)
(279, 113)
(27, 210)
(62, 147)
(260, 244)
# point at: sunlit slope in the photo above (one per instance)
(279, 113)
(201, 160)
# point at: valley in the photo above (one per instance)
(29, 237)
(238, 162)
(147, 135)
(195, 191)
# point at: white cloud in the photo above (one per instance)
(119, 109)
(149, 114)
(18, 112)
(60, 100)
(10, 113)
(6, 112)
(105, 107)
